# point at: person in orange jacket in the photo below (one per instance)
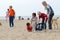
(11, 16)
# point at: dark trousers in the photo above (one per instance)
(49, 21)
(38, 27)
(44, 24)
(11, 21)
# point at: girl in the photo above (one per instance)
(34, 21)
(7, 14)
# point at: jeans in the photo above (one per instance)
(11, 19)
(44, 24)
(49, 21)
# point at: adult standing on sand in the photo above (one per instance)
(50, 13)
(11, 16)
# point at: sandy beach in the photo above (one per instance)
(19, 32)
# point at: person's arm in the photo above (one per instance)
(48, 10)
(31, 21)
(13, 11)
(45, 18)
(38, 20)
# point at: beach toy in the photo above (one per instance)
(39, 27)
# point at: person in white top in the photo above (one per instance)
(50, 13)
(7, 14)
(34, 21)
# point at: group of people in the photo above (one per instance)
(36, 23)
(40, 22)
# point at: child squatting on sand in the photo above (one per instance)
(29, 27)
(33, 22)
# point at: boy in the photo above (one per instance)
(29, 27)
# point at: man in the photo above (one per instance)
(44, 18)
(11, 16)
(50, 13)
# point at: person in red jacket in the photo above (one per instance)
(29, 27)
(44, 19)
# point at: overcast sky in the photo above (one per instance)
(27, 7)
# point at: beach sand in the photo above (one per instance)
(19, 32)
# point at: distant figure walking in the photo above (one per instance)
(50, 13)
(19, 17)
(11, 16)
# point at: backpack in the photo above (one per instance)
(39, 26)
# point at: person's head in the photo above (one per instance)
(28, 24)
(44, 3)
(7, 9)
(33, 15)
(39, 13)
(10, 7)
(57, 17)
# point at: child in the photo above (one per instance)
(29, 28)
(44, 19)
(34, 21)
(7, 14)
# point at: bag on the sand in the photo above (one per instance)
(39, 27)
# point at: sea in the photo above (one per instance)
(16, 17)
(25, 17)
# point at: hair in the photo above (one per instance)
(39, 12)
(10, 6)
(8, 9)
(28, 24)
(34, 14)
(44, 2)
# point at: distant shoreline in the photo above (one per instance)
(25, 17)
